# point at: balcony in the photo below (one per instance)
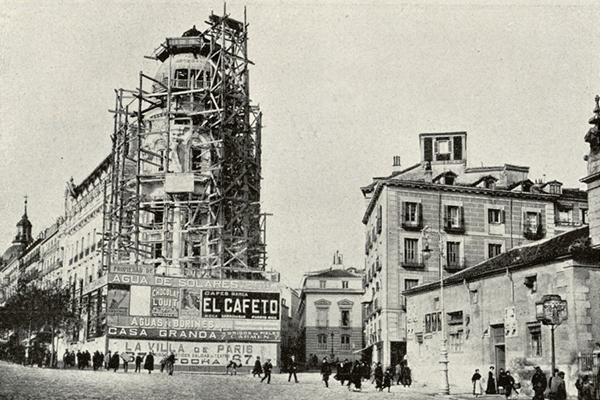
(411, 262)
(455, 264)
(533, 231)
(415, 225)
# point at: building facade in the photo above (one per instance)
(330, 314)
(477, 213)
(490, 314)
(161, 245)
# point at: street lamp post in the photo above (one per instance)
(332, 353)
(551, 310)
(445, 384)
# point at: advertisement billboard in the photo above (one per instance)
(198, 354)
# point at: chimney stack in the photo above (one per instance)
(396, 166)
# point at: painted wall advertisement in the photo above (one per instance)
(189, 353)
(193, 310)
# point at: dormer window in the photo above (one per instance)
(555, 187)
(489, 183)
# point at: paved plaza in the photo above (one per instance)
(18, 382)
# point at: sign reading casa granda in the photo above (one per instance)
(194, 334)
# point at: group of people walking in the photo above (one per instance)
(114, 360)
(354, 373)
(553, 388)
(505, 384)
(260, 368)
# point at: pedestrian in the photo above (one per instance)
(257, 368)
(587, 389)
(114, 361)
(79, 360)
(378, 377)
(138, 363)
(171, 363)
(326, 371)
(231, 368)
(539, 384)
(491, 383)
(509, 385)
(501, 381)
(66, 359)
(406, 376)
(87, 357)
(393, 372)
(356, 376)
(388, 377)
(293, 368)
(476, 381)
(558, 390)
(126, 358)
(149, 362)
(267, 367)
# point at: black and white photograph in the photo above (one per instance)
(204, 199)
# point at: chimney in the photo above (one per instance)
(396, 166)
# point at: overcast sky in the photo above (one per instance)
(343, 89)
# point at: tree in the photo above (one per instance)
(32, 308)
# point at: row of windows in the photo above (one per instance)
(534, 340)
(344, 341)
(323, 317)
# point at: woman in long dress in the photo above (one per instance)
(476, 380)
(491, 383)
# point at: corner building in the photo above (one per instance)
(162, 242)
(492, 314)
(479, 213)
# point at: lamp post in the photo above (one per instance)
(445, 384)
(332, 353)
(551, 310)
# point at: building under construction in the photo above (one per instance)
(185, 185)
(173, 214)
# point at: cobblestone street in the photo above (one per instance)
(18, 382)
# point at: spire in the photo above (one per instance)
(24, 228)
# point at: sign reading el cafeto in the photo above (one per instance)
(240, 304)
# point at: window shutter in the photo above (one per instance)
(420, 214)
(502, 217)
(446, 216)
(436, 147)
(525, 222)
(490, 216)
(461, 217)
(458, 148)
(404, 216)
(428, 149)
(539, 220)
(379, 216)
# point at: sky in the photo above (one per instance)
(344, 87)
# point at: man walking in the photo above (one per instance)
(293, 368)
(539, 384)
(326, 371)
(257, 368)
(267, 370)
